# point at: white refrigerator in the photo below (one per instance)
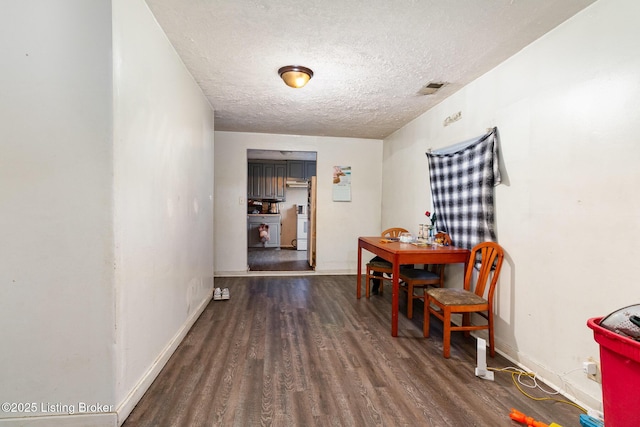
(302, 228)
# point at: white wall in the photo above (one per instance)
(163, 172)
(56, 272)
(338, 223)
(568, 111)
(106, 182)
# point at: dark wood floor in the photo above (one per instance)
(272, 259)
(303, 351)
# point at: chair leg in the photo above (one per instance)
(410, 301)
(368, 285)
(466, 321)
(378, 282)
(426, 317)
(446, 334)
(492, 350)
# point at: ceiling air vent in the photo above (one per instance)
(431, 88)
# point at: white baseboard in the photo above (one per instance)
(317, 272)
(76, 420)
(577, 395)
(126, 406)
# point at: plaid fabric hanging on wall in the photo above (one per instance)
(462, 187)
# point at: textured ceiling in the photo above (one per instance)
(370, 58)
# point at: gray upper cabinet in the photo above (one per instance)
(255, 187)
(275, 175)
(309, 169)
(266, 180)
(295, 169)
(300, 169)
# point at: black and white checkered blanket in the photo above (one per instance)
(462, 187)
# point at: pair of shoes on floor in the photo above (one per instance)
(221, 294)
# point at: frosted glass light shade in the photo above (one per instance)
(295, 76)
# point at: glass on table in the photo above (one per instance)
(406, 237)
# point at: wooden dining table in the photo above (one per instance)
(399, 253)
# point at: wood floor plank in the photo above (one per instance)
(303, 351)
(275, 259)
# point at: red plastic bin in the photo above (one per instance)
(620, 369)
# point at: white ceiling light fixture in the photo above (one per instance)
(295, 76)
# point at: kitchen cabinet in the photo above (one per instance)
(275, 177)
(309, 169)
(295, 169)
(253, 233)
(255, 187)
(301, 169)
(266, 180)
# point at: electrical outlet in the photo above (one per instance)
(589, 368)
(592, 369)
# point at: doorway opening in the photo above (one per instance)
(281, 210)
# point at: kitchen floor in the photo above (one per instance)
(268, 259)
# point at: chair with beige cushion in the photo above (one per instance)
(487, 258)
(379, 265)
(420, 278)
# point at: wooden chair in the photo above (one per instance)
(444, 302)
(380, 265)
(420, 278)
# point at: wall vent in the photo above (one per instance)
(431, 88)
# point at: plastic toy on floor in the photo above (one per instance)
(589, 421)
(529, 421)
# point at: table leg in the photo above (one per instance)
(359, 274)
(394, 296)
